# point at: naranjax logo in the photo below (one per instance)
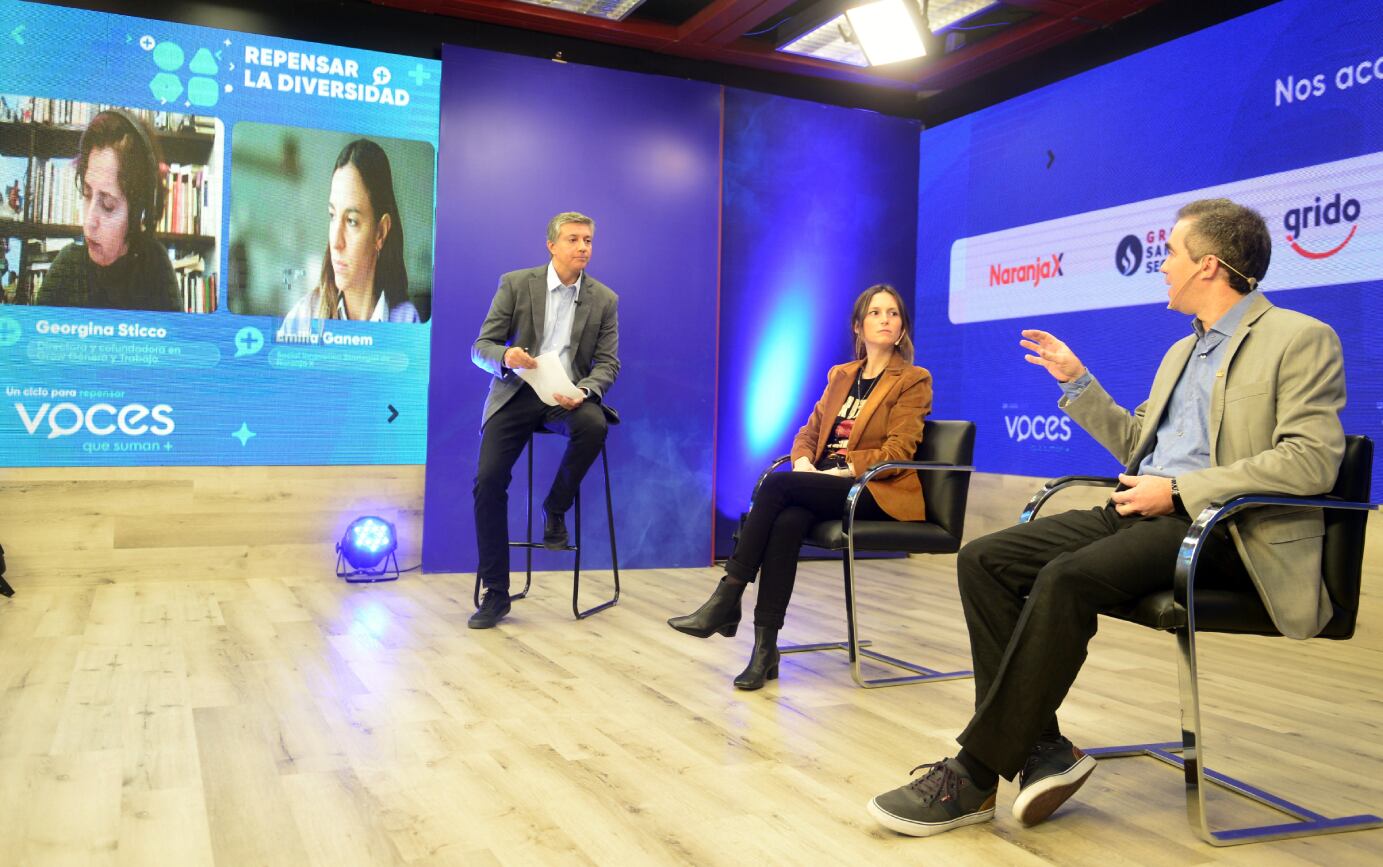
(1035, 272)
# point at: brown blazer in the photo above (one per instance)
(889, 428)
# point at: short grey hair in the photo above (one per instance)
(556, 223)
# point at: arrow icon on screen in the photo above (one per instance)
(1051, 158)
(393, 413)
(18, 34)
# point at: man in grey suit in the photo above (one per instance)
(1249, 402)
(554, 308)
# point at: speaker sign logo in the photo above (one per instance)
(1329, 237)
(1328, 219)
(1129, 255)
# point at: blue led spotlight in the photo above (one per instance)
(367, 548)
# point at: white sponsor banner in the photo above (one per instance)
(1326, 222)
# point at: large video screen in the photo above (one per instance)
(1052, 211)
(215, 247)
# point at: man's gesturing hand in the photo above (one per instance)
(1052, 354)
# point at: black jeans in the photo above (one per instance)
(506, 433)
(1032, 595)
(786, 507)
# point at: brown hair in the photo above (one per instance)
(904, 346)
(391, 276)
(1234, 234)
(139, 161)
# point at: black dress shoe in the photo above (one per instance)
(720, 613)
(493, 606)
(763, 664)
(555, 531)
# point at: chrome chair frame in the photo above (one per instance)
(852, 643)
(1191, 760)
(528, 545)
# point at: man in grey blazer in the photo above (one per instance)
(554, 308)
(1249, 402)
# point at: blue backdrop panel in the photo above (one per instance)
(524, 139)
(818, 206)
(1173, 121)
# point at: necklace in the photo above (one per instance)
(862, 393)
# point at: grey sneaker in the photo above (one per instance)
(1051, 774)
(939, 800)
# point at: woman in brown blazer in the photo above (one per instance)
(871, 412)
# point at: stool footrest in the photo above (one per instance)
(528, 546)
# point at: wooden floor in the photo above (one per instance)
(272, 721)
(280, 716)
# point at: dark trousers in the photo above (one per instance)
(506, 433)
(786, 507)
(1032, 595)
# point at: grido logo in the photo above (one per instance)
(1129, 255)
(101, 419)
(1036, 271)
(1148, 251)
(1054, 428)
(1333, 213)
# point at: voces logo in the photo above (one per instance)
(101, 419)
(1053, 428)
(1144, 255)
(1334, 213)
(1042, 268)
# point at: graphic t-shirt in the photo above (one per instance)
(833, 458)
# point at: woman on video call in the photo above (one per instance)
(871, 412)
(363, 275)
(118, 264)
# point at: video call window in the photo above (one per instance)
(329, 225)
(108, 207)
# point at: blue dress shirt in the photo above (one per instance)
(1183, 433)
(557, 321)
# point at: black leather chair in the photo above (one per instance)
(1185, 611)
(943, 463)
(528, 545)
(5, 588)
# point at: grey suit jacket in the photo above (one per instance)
(516, 319)
(1274, 428)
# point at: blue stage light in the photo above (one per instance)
(368, 546)
(777, 374)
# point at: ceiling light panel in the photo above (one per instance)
(831, 41)
(614, 10)
(944, 13)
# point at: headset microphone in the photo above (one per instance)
(1172, 302)
(1252, 281)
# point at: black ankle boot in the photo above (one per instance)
(720, 613)
(763, 665)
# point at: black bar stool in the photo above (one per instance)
(528, 545)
